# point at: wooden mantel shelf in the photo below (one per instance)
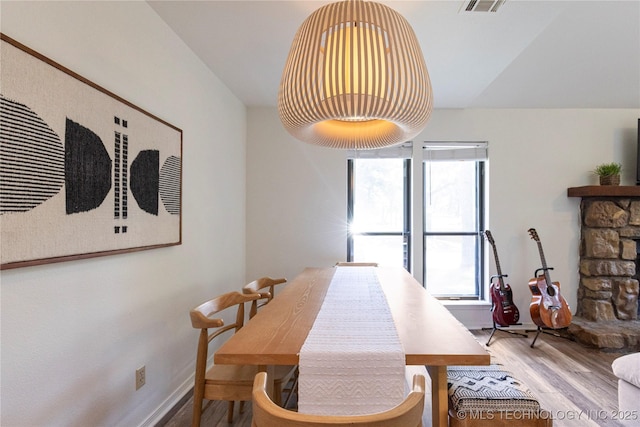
(604, 191)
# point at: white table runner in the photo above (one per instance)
(352, 361)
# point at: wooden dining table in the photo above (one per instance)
(430, 334)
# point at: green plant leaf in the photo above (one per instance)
(608, 169)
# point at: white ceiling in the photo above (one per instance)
(529, 54)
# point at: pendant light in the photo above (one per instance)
(355, 78)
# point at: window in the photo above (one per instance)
(378, 210)
(453, 219)
(447, 244)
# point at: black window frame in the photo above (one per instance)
(480, 255)
(405, 233)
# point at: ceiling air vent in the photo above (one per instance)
(481, 5)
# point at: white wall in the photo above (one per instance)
(73, 333)
(296, 200)
(296, 193)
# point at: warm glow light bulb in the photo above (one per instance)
(354, 62)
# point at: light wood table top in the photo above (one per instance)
(429, 333)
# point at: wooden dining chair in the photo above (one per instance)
(223, 382)
(267, 414)
(220, 382)
(356, 264)
(258, 287)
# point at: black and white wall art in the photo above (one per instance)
(83, 172)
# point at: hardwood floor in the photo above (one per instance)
(215, 415)
(574, 383)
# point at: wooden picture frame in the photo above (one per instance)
(83, 172)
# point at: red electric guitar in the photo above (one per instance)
(548, 308)
(504, 311)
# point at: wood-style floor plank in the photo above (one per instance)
(573, 382)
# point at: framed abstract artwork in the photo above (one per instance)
(83, 172)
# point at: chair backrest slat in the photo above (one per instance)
(200, 316)
(257, 287)
(267, 414)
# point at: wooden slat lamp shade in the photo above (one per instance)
(355, 78)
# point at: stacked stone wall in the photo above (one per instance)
(608, 287)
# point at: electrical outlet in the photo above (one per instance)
(141, 377)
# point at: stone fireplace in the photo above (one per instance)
(606, 315)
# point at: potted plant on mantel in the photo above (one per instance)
(609, 173)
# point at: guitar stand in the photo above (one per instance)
(496, 328)
(540, 330)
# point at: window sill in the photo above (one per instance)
(459, 303)
(472, 314)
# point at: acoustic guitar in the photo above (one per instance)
(548, 308)
(503, 309)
